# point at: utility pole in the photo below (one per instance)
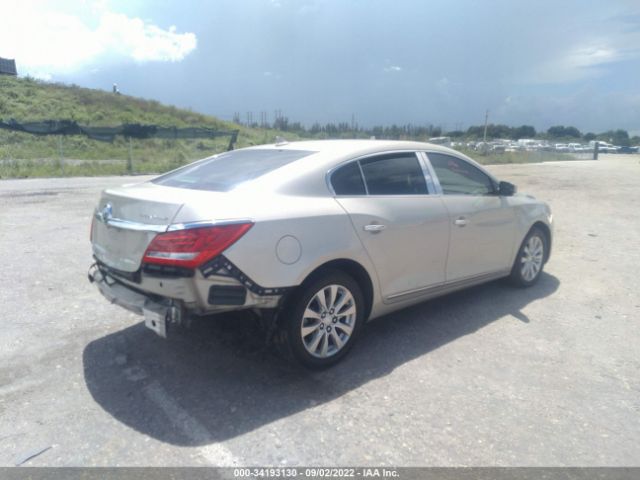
(62, 155)
(129, 159)
(486, 119)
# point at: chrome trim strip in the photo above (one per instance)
(434, 178)
(129, 225)
(467, 281)
(364, 180)
(206, 223)
(147, 227)
(433, 185)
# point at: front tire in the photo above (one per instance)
(529, 262)
(321, 323)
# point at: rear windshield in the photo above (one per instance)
(227, 170)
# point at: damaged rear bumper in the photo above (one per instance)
(158, 313)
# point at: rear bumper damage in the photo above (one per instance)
(158, 313)
(166, 299)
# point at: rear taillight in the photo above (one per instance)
(190, 248)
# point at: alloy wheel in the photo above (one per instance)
(532, 258)
(328, 321)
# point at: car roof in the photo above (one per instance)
(339, 148)
(330, 153)
(308, 173)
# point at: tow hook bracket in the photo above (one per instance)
(91, 274)
(162, 317)
(155, 318)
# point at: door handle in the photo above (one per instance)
(374, 227)
(460, 222)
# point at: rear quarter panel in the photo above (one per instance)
(318, 225)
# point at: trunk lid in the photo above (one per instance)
(139, 212)
(127, 219)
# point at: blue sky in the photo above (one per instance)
(404, 61)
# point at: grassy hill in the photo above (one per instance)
(27, 155)
(23, 154)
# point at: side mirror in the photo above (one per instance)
(506, 189)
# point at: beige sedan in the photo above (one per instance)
(314, 237)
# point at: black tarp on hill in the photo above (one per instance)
(107, 134)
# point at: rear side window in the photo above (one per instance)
(228, 170)
(347, 180)
(394, 174)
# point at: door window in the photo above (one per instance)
(347, 180)
(394, 174)
(458, 177)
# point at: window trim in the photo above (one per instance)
(363, 178)
(494, 181)
(427, 173)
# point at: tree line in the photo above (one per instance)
(423, 132)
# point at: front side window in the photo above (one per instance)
(458, 177)
(227, 170)
(394, 174)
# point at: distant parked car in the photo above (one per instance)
(604, 147)
(626, 149)
(317, 237)
(576, 148)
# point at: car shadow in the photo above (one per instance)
(217, 381)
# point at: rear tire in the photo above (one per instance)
(322, 320)
(528, 265)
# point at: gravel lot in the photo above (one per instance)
(489, 376)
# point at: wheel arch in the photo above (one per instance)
(547, 233)
(354, 270)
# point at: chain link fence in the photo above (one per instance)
(61, 147)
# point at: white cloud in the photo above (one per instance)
(272, 75)
(586, 58)
(46, 41)
(393, 68)
(593, 56)
(575, 64)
